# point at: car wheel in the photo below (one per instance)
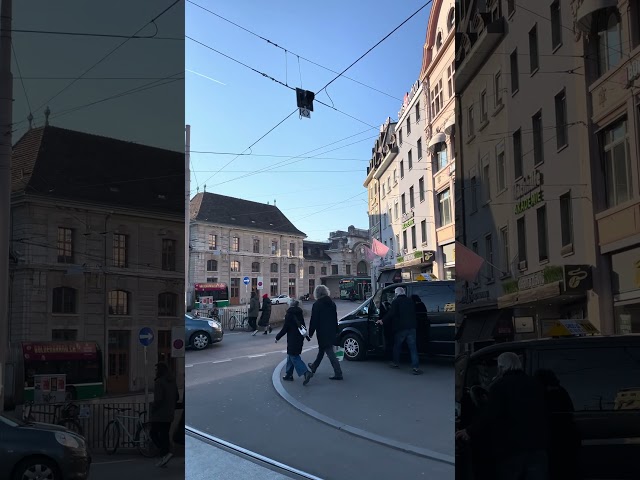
(37, 467)
(200, 340)
(354, 348)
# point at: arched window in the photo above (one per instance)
(362, 268)
(255, 267)
(212, 265)
(119, 301)
(312, 270)
(64, 300)
(235, 266)
(451, 19)
(167, 304)
(439, 41)
(292, 268)
(609, 39)
(274, 268)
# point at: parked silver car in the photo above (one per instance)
(201, 332)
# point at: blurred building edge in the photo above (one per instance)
(97, 236)
(548, 166)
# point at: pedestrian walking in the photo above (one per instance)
(165, 398)
(324, 320)
(402, 316)
(266, 315)
(254, 311)
(295, 329)
(514, 421)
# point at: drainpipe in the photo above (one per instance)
(105, 349)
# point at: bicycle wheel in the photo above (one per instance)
(111, 437)
(146, 445)
(232, 322)
(71, 424)
(247, 324)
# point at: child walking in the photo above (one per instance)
(296, 331)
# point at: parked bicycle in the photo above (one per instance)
(238, 319)
(115, 429)
(64, 414)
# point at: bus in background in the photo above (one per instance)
(358, 288)
(207, 293)
(81, 362)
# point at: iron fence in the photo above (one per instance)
(238, 312)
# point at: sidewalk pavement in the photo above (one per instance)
(135, 467)
(389, 406)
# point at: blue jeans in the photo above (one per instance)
(410, 336)
(294, 361)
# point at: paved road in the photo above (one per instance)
(230, 395)
(135, 467)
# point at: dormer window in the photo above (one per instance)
(451, 19)
(439, 41)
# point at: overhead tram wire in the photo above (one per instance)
(98, 35)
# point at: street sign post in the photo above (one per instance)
(146, 336)
(177, 342)
(260, 284)
(246, 281)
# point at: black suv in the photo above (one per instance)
(435, 306)
(601, 375)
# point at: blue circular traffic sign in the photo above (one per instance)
(146, 336)
(246, 280)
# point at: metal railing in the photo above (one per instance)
(225, 314)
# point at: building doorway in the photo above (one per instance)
(234, 296)
(118, 358)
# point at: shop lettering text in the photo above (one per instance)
(529, 202)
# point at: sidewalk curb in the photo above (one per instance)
(404, 447)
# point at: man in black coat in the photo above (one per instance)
(402, 316)
(293, 320)
(324, 320)
(514, 419)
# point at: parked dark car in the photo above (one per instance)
(435, 306)
(201, 332)
(38, 450)
(601, 375)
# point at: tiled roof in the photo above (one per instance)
(310, 247)
(67, 164)
(240, 213)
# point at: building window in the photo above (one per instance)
(292, 268)
(274, 287)
(609, 39)
(497, 85)
(235, 246)
(213, 241)
(404, 204)
(312, 286)
(538, 143)
(517, 154)
(64, 300)
(543, 240)
(118, 302)
(534, 61)
(255, 267)
(348, 271)
(398, 243)
(617, 164)
(323, 270)
(471, 122)
(212, 279)
(292, 249)
(168, 255)
(120, 251)
(384, 191)
(562, 129)
(256, 245)
(395, 176)
(414, 239)
(504, 240)
(274, 248)
(212, 265)
(522, 240)
(474, 195)
(488, 243)
(412, 201)
(389, 217)
(410, 159)
(486, 179)
(484, 115)
(401, 168)
(515, 75)
(64, 335)
(556, 25)
(450, 81)
(334, 269)
(566, 220)
(312, 270)
(395, 209)
(274, 268)
(167, 305)
(65, 245)
(423, 231)
(400, 136)
(501, 169)
(404, 241)
(451, 19)
(408, 125)
(444, 208)
(441, 156)
(417, 112)
(164, 350)
(235, 266)
(292, 287)
(421, 188)
(419, 147)
(439, 41)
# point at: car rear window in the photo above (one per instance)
(438, 297)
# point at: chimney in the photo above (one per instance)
(47, 112)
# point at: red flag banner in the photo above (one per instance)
(468, 263)
(378, 248)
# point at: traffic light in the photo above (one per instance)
(305, 99)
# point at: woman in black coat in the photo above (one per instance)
(266, 315)
(324, 320)
(293, 320)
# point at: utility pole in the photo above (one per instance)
(187, 201)
(6, 125)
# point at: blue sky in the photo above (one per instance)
(235, 106)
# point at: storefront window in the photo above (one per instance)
(627, 318)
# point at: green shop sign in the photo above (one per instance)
(528, 191)
(530, 201)
(408, 224)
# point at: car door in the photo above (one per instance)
(439, 299)
(378, 307)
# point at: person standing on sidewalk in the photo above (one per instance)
(254, 311)
(293, 320)
(402, 316)
(165, 398)
(324, 320)
(266, 315)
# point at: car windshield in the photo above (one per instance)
(12, 422)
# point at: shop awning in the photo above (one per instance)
(449, 127)
(390, 276)
(587, 8)
(436, 139)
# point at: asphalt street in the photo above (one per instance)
(135, 467)
(230, 395)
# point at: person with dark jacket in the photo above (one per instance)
(266, 315)
(514, 419)
(324, 320)
(293, 320)
(165, 398)
(402, 316)
(254, 311)
(565, 441)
